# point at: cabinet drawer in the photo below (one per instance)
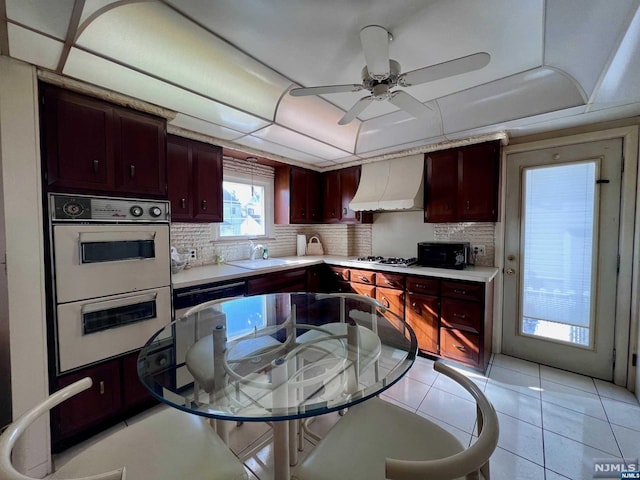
(422, 313)
(390, 280)
(464, 290)
(363, 276)
(461, 314)
(392, 299)
(339, 273)
(363, 289)
(459, 345)
(288, 281)
(429, 286)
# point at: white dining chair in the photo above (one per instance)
(205, 317)
(163, 445)
(377, 440)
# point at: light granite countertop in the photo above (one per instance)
(230, 271)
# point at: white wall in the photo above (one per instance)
(396, 234)
(20, 163)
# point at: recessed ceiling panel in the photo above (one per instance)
(115, 77)
(284, 136)
(93, 6)
(313, 43)
(317, 118)
(398, 128)
(50, 17)
(33, 47)
(269, 147)
(153, 38)
(571, 42)
(206, 128)
(621, 82)
(524, 95)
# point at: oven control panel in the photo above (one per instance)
(81, 208)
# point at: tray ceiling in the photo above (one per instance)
(225, 67)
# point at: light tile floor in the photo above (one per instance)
(553, 424)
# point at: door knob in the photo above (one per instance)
(510, 271)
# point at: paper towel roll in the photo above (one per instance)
(301, 245)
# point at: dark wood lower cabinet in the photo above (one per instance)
(116, 394)
(451, 318)
(283, 281)
(422, 314)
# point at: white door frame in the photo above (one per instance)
(627, 298)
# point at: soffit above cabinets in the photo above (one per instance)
(226, 67)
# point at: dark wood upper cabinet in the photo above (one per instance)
(340, 187)
(461, 184)
(332, 197)
(140, 153)
(180, 172)
(94, 146)
(478, 182)
(195, 180)
(77, 133)
(207, 181)
(298, 195)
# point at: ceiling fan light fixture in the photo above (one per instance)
(380, 92)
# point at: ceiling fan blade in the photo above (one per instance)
(409, 104)
(445, 69)
(375, 45)
(356, 110)
(301, 92)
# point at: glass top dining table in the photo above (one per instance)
(277, 357)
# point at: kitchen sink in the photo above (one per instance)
(260, 263)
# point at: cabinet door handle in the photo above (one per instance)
(101, 387)
(203, 204)
(462, 348)
(344, 210)
(96, 166)
(415, 306)
(386, 302)
(460, 315)
(364, 279)
(183, 203)
(303, 213)
(468, 206)
(460, 292)
(132, 171)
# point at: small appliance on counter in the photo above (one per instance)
(444, 254)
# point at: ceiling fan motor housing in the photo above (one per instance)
(390, 81)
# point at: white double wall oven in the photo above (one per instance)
(111, 275)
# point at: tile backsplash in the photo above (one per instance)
(347, 240)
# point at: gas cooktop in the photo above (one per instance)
(392, 261)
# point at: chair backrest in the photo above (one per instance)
(469, 461)
(13, 432)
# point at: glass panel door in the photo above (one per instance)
(562, 222)
(559, 226)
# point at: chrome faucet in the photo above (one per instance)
(253, 249)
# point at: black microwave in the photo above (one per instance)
(443, 254)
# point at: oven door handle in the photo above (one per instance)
(118, 302)
(115, 236)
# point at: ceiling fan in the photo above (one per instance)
(381, 75)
